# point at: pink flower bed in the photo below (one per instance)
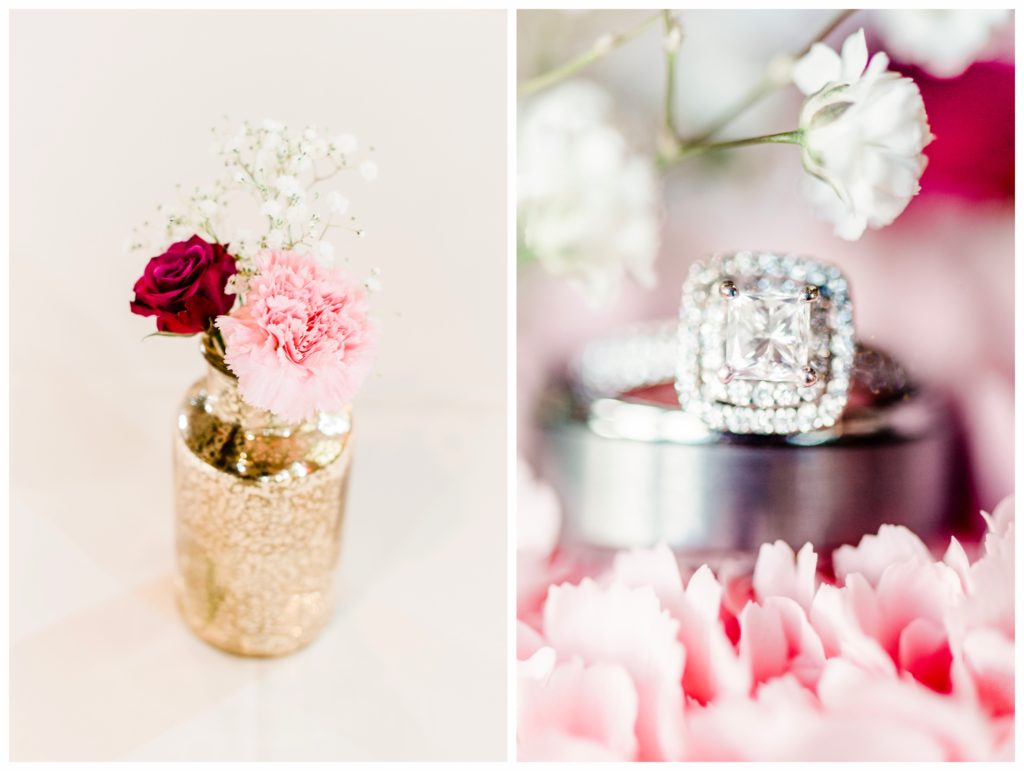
(901, 655)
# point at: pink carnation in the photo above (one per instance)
(905, 656)
(302, 342)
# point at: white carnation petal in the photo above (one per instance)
(819, 66)
(854, 56)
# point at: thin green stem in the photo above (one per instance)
(785, 137)
(601, 48)
(209, 230)
(672, 41)
(769, 85)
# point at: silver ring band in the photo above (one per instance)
(633, 469)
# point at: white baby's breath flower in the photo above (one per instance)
(325, 252)
(297, 214)
(318, 149)
(587, 202)
(277, 166)
(337, 202)
(345, 144)
(288, 185)
(368, 170)
(235, 144)
(863, 132)
(276, 238)
(945, 42)
(373, 283)
(272, 208)
(243, 237)
(271, 141)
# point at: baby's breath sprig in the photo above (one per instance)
(290, 174)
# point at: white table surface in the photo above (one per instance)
(413, 665)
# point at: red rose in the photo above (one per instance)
(184, 286)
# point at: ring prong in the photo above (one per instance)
(725, 374)
(810, 293)
(810, 376)
(727, 289)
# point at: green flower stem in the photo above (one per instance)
(598, 50)
(770, 84)
(671, 57)
(785, 137)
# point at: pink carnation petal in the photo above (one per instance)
(538, 515)
(910, 590)
(627, 627)
(924, 652)
(874, 553)
(528, 641)
(712, 664)
(776, 639)
(781, 573)
(578, 713)
(956, 726)
(840, 619)
(989, 658)
(1001, 518)
(656, 568)
(957, 561)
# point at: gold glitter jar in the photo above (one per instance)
(259, 505)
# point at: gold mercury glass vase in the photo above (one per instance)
(259, 504)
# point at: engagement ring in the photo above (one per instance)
(755, 416)
(766, 343)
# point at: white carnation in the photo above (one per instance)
(588, 203)
(944, 42)
(863, 132)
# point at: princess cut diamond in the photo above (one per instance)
(768, 337)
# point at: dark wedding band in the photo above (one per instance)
(633, 469)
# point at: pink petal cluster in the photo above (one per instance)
(302, 342)
(901, 657)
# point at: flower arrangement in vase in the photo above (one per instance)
(263, 442)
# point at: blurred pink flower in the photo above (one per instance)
(570, 711)
(904, 657)
(538, 524)
(973, 117)
(629, 628)
(302, 342)
(712, 665)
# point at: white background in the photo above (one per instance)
(109, 111)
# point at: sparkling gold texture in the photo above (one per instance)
(259, 509)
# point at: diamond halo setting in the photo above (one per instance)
(766, 343)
